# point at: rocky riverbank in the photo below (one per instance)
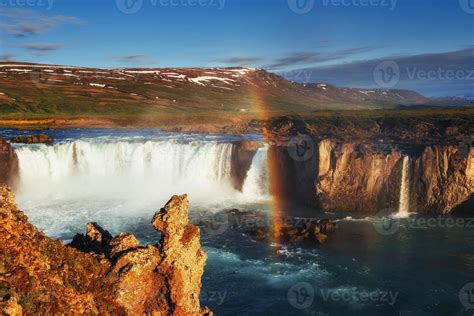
(98, 273)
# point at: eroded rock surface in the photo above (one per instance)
(8, 163)
(357, 177)
(34, 139)
(108, 276)
(442, 178)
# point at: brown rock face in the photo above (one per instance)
(295, 178)
(41, 276)
(33, 139)
(356, 178)
(8, 163)
(442, 178)
(242, 155)
(183, 257)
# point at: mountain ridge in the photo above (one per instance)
(28, 89)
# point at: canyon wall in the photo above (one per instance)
(356, 177)
(442, 177)
(360, 177)
(296, 178)
(98, 273)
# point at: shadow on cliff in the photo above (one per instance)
(466, 208)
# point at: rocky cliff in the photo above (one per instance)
(104, 275)
(8, 163)
(355, 177)
(442, 177)
(356, 164)
(362, 177)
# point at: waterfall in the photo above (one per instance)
(404, 202)
(149, 171)
(120, 182)
(255, 185)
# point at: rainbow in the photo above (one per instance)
(276, 206)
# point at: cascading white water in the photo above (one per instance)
(255, 185)
(97, 180)
(94, 168)
(404, 202)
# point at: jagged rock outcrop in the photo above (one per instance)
(183, 258)
(33, 139)
(8, 163)
(108, 276)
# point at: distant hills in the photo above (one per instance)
(35, 90)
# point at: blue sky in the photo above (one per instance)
(321, 37)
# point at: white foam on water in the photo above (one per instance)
(272, 273)
(71, 183)
(255, 185)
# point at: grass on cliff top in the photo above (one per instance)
(220, 118)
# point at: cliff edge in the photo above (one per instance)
(99, 273)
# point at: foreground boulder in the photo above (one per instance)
(8, 163)
(312, 231)
(108, 275)
(33, 139)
